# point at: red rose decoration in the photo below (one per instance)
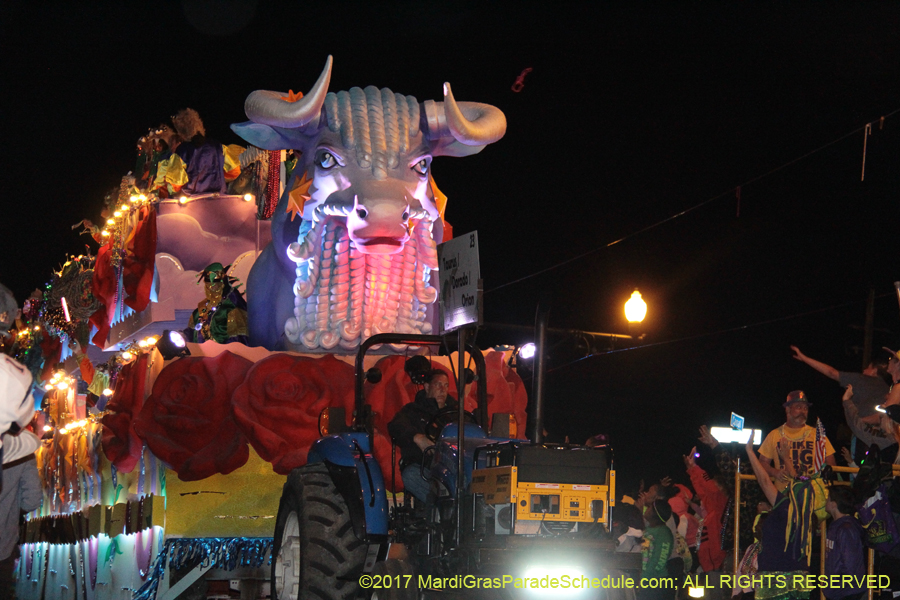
(505, 390)
(278, 405)
(187, 422)
(120, 443)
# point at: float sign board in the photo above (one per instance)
(459, 274)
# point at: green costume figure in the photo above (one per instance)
(222, 316)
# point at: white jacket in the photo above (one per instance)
(16, 401)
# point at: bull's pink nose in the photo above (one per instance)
(363, 214)
(381, 214)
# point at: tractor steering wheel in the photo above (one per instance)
(441, 419)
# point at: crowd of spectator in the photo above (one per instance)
(683, 530)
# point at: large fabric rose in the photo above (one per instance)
(120, 443)
(505, 390)
(278, 405)
(187, 421)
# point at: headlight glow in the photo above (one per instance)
(568, 580)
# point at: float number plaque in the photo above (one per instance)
(460, 282)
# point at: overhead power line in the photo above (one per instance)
(728, 193)
(713, 333)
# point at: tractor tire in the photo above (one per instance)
(316, 555)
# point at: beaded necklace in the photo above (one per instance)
(801, 439)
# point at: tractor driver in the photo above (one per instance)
(409, 425)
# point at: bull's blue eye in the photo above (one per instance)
(421, 167)
(326, 160)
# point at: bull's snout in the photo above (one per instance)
(378, 225)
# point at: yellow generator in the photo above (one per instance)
(539, 489)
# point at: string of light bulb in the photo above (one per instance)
(114, 224)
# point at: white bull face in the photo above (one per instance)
(378, 200)
(365, 251)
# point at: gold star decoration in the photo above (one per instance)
(298, 196)
(440, 200)
(292, 97)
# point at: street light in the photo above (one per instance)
(635, 308)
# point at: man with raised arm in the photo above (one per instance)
(870, 387)
(795, 441)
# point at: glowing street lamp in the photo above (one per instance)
(635, 308)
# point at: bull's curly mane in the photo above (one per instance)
(340, 293)
(377, 123)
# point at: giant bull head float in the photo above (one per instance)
(360, 260)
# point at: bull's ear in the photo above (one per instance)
(268, 137)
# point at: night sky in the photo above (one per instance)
(633, 113)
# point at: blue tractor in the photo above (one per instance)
(519, 512)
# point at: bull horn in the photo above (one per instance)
(270, 108)
(472, 123)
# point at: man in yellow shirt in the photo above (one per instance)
(794, 442)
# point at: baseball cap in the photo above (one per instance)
(894, 354)
(796, 396)
(684, 492)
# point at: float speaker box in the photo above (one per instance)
(561, 465)
(495, 485)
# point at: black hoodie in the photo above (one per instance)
(413, 419)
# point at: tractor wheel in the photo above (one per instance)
(402, 577)
(315, 555)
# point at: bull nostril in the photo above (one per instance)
(405, 216)
(361, 213)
